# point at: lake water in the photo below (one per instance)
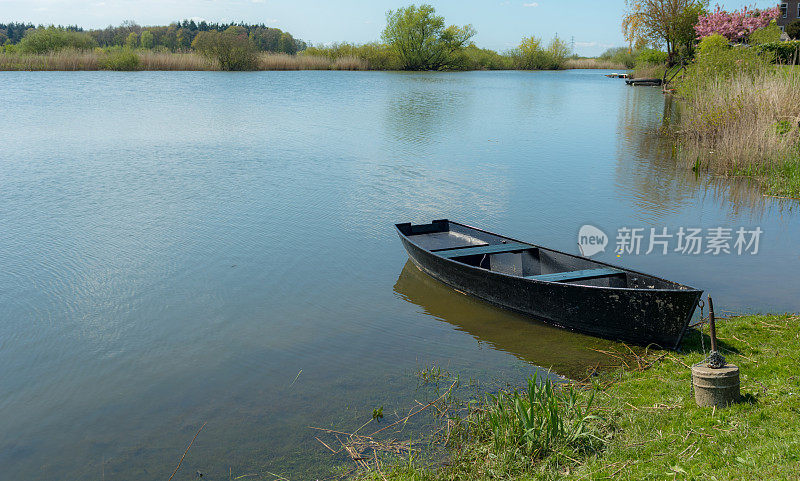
(180, 248)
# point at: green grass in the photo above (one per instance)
(640, 422)
(783, 180)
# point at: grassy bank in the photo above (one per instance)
(740, 116)
(637, 422)
(747, 125)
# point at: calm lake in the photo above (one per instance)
(181, 248)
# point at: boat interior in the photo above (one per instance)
(500, 254)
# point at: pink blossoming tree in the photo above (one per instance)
(736, 26)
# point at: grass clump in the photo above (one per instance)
(520, 428)
(122, 60)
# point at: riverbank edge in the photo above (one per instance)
(656, 431)
(168, 61)
(739, 117)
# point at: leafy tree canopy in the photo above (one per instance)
(421, 40)
(793, 30)
(668, 23)
(232, 48)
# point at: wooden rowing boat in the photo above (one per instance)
(565, 290)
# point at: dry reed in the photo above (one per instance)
(273, 61)
(62, 60)
(175, 61)
(593, 63)
(151, 60)
(748, 121)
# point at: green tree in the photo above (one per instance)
(232, 48)
(685, 37)
(793, 30)
(421, 40)
(662, 22)
(183, 39)
(147, 40)
(768, 34)
(51, 39)
(286, 44)
(559, 51)
(266, 39)
(530, 55)
(132, 40)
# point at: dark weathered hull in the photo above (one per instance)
(658, 316)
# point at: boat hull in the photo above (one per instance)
(636, 315)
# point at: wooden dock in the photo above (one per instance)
(644, 82)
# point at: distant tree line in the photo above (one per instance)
(416, 38)
(176, 37)
(12, 33)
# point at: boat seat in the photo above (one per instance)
(479, 250)
(577, 275)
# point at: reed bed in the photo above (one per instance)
(742, 124)
(178, 61)
(593, 63)
(272, 61)
(62, 60)
(150, 60)
(166, 61)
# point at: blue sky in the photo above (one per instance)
(594, 24)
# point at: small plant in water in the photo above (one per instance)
(377, 414)
(432, 374)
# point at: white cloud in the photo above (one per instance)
(532, 4)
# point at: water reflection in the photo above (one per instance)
(421, 108)
(567, 353)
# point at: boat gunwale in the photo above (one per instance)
(533, 280)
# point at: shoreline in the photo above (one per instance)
(173, 61)
(646, 420)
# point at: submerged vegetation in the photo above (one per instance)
(639, 421)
